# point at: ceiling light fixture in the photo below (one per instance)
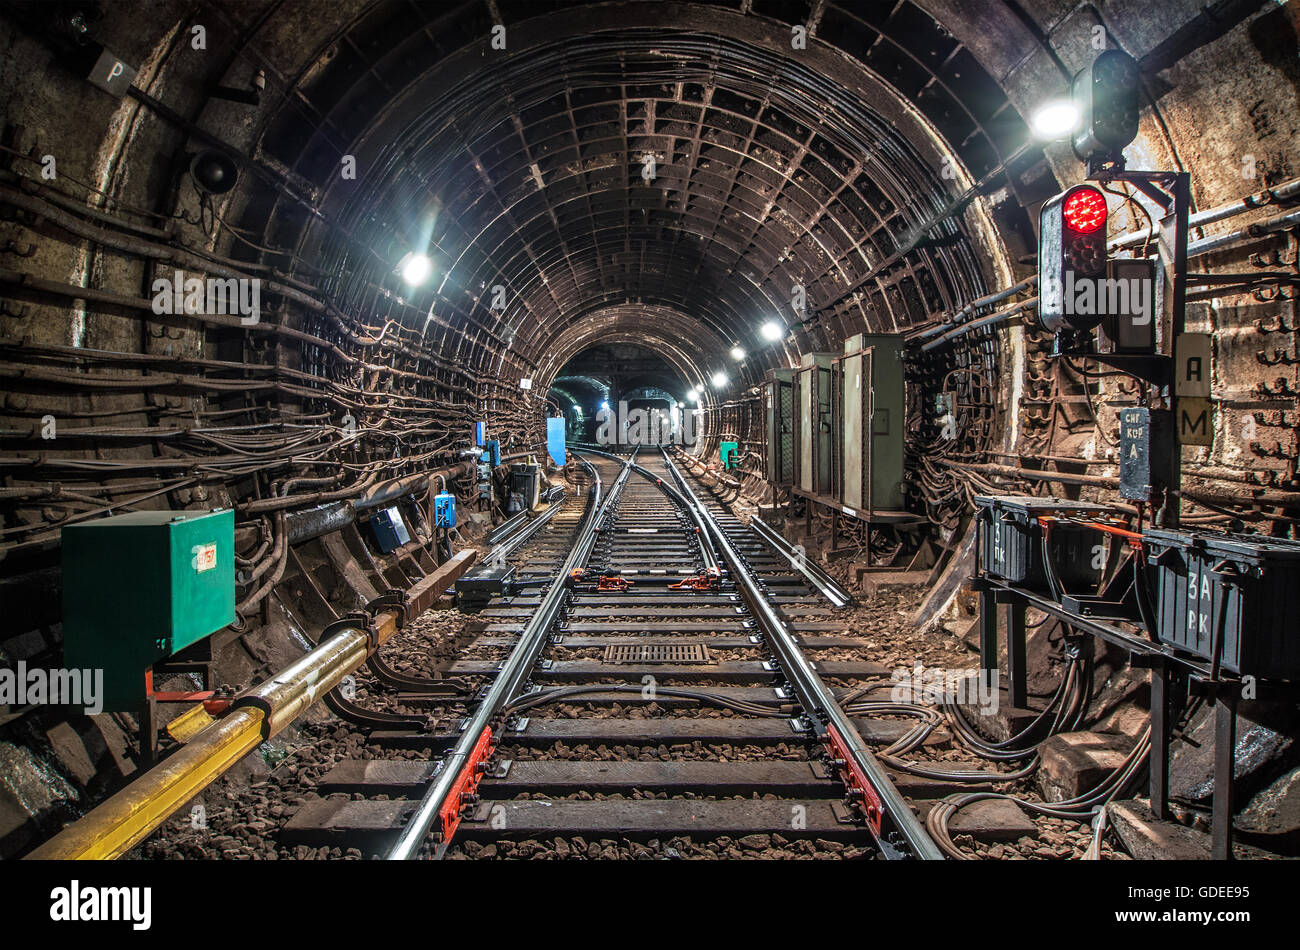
(1055, 120)
(415, 268)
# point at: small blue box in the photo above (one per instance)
(492, 452)
(390, 529)
(444, 510)
(480, 432)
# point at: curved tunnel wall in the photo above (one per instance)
(520, 168)
(885, 167)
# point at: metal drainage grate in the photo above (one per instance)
(657, 653)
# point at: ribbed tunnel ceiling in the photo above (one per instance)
(882, 166)
(772, 168)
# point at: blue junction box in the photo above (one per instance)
(444, 510)
(390, 529)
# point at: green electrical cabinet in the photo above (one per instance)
(781, 425)
(869, 409)
(728, 452)
(140, 587)
(815, 448)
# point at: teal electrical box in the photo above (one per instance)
(728, 452)
(140, 587)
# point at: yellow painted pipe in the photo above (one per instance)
(190, 723)
(122, 821)
(127, 818)
(117, 825)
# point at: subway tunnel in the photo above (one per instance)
(375, 371)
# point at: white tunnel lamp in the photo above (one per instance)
(1055, 119)
(415, 268)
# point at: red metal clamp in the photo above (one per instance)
(710, 579)
(463, 793)
(207, 697)
(860, 789)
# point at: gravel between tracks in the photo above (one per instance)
(241, 813)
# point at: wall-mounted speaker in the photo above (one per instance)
(214, 172)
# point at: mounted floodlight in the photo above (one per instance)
(772, 330)
(719, 379)
(1055, 120)
(737, 353)
(415, 268)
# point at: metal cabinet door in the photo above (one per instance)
(851, 441)
(807, 426)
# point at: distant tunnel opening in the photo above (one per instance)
(599, 388)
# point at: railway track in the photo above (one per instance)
(658, 671)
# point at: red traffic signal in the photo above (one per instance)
(1084, 210)
(1071, 257)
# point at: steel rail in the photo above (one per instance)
(829, 587)
(517, 537)
(702, 535)
(514, 672)
(508, 527)
(818, 701)
(116, 825)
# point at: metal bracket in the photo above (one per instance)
(393, 598)
(843, 814)
(357, 620)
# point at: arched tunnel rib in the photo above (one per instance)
(308, 306)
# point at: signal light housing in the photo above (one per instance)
(1071, 247)
(1106, 94)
